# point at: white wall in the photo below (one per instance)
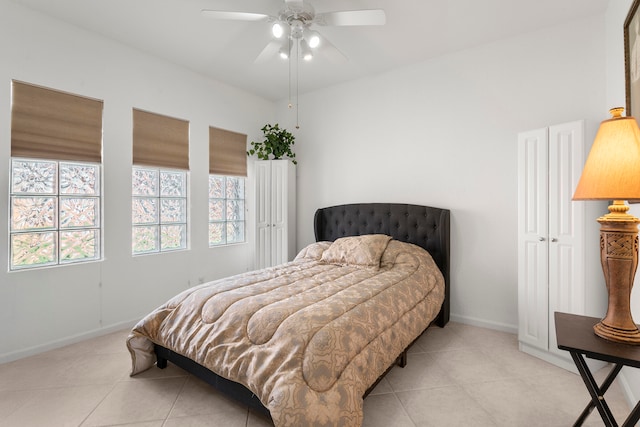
(443, 133)
(616, 14)
(48, 307)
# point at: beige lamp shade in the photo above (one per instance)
(612, 170)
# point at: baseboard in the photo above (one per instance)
(512, 329)
(564, 361)
(52, 345)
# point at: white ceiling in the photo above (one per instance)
(226, 50)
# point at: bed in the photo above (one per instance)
(322, 330)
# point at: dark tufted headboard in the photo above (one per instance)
(421, 225)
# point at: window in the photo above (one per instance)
(228, 170)
(159, 183)
(55, 189)
(226, 210)
(55, 213)
(159, 210)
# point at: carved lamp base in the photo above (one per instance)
(619, 257)
(629, 336)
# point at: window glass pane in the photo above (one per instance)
(145, 182)
(173, 210)
(33, 177)
(235, 210)
(216, 187)
(172, 184)
(79, 179)
(78, 212)
(235, 232)
(216, 233)
(33, 249)
(145, 239)
(235, 188)
(145, 211)
(79, 245)
(173, 237)
(216, 210)
(28, 213)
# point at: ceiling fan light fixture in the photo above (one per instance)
(277, 30)
(312, 38)
(307, 54)
(285, 49)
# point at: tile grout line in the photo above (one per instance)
(113, 387)
(173, 405)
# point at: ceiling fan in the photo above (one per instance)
(293, 25)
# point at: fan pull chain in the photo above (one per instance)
(289, 60)
(298, 85)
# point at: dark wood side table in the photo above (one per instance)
(575, 334)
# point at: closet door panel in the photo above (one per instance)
(532, 238)
(263, 194)
(263, 214)
(263, 247)
(279, 210)
(279, 194)
(566, 223)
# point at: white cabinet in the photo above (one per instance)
(276, 212)
(558, 267)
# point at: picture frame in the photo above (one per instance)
(632, 60)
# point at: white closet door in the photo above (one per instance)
(263, 214)
(533, 245)
(279, 203)
(275, 212)
(566, 224)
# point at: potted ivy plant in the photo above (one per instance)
(277, 143)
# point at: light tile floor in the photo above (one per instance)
(457, 376)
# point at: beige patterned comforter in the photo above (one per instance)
(309, 337)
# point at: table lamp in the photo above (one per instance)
(612, 172)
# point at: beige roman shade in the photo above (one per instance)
(160, 141)
(227, 152)
(49, 124)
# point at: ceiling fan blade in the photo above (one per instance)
(235, 16)
(352, 17)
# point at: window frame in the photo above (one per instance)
(56, 228)
(159, 223)
(225, 221)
